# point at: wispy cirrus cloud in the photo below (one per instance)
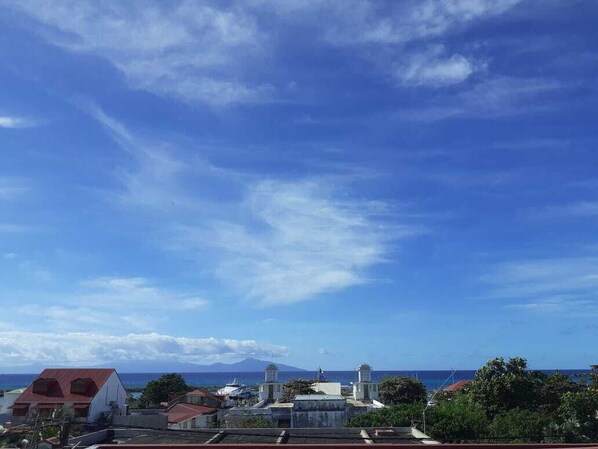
(433, 67)
(12, 188)
(558, 285)
(113, 303)
(275, 241)
(13, 122)
(214, 53)
(12, 228)
(400, 22)
(493, 97)
(112, 291)
(581, 209)
(189, 51)
(298, 240)
(81, 348)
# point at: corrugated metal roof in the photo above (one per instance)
(60, 391)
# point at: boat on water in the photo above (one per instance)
(235, 390)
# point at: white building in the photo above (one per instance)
(8, 400)
(271, 389)
(184, 416)
(89, 393)
(364, 389)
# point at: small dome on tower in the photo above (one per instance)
(364, 372)
(271, 373)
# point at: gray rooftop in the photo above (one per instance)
(319, 397)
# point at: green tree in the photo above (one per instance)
(578, 417)
(401, 390)
(500, 386)
(296, 386)
(552, 388)
(401, 415)
(167, 387)
(519, 426)
(456, 420)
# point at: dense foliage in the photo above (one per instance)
(394, 390)
(167, 387)
(504, 403)
(297, 386)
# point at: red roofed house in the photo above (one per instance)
(90, 393)
(200, 397)
(458, 385)
(191, 416)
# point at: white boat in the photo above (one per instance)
(235, 389)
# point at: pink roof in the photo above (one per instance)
(59, 390)
(458, 385)
(182, 412)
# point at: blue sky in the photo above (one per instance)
(411, 184)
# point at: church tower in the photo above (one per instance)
(365, 389)
(271, 389)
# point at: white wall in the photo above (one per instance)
(199, 422)
(112, 391)
(264, 388)
(332, 388)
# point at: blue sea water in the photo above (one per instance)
(432, 379)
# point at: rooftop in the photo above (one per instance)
(319, 397)
(59, 385)
(225, 437)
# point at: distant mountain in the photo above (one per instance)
(247, 365)
(151, 366)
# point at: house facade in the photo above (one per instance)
(184, 416)
(89, 393)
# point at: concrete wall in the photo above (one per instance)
(317, 418)
(156, 421)
(319, 413)
(90, 438)
(112, 391)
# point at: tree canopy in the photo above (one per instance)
(167, 387)
(504, 403)
(296, 386)
(394, 390)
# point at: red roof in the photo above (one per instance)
(182, 412)
(58, 382)
(205, 394)
(458, 385)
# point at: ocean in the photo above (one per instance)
(431, 379)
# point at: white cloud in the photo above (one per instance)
(215, 53)
(548, 285)
(107, 303)
(360, 22)
(432, 67)
(23, 348)
(190, 51)
(493, 97)
(12, 188)
(11, 228)
(299, 241)
(577, 209)
(274, 241)
(113, 292)
(15, 122)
